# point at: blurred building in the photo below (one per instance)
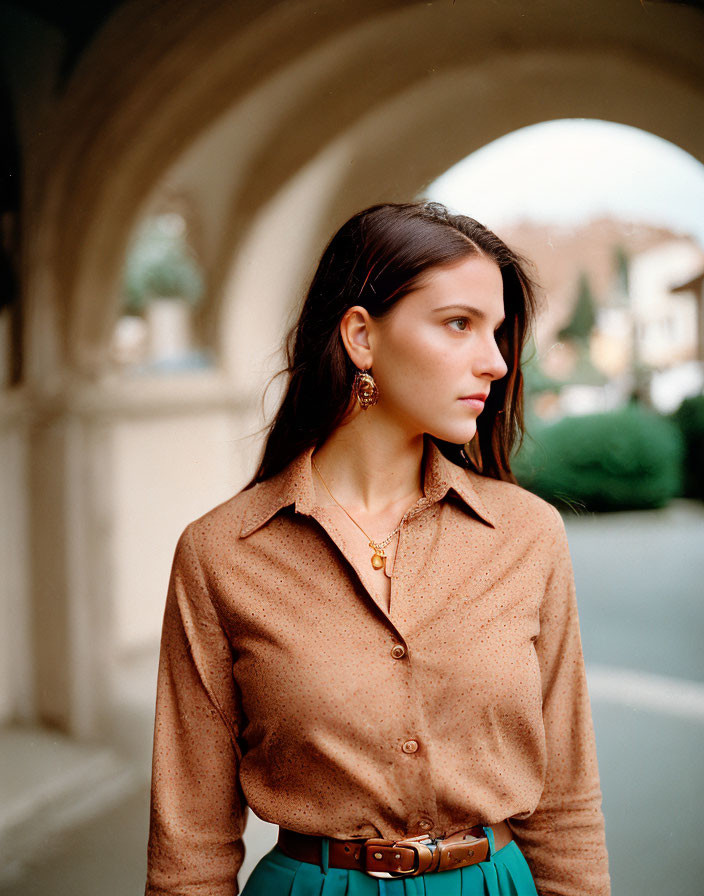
(643, 281)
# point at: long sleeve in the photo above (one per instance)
(197, 811)
(564, 840)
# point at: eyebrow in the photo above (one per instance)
(470, 309)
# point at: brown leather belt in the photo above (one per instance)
(405, 857)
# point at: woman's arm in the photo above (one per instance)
(198, 811)
(564, 839)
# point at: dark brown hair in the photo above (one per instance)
(375, 258)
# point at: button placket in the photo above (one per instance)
(328, 525)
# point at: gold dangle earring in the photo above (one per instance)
(365, 389)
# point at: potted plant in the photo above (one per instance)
(163, 283)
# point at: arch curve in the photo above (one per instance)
(280, 87)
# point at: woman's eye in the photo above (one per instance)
(466, 321)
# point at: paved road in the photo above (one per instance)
(640, 586)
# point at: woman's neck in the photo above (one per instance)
(368, 472)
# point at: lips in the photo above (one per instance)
(480, 396)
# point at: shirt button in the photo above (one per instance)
(398, 651)
(410, 746)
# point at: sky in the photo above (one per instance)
(570, 170)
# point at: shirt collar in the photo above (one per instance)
(294, 485)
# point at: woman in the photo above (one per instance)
(375, 644)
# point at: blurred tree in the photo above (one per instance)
(621, 268)
(583, 317)
(536, 381)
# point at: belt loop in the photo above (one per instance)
(490, 836)
(324, 853)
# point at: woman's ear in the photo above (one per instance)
(355, 331)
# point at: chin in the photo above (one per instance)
(456, 437)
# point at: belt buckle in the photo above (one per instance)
(410, 843)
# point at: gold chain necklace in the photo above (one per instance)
(379, 557)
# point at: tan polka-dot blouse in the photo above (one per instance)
(289, 684)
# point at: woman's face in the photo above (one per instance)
(438, 345)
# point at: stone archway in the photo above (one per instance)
(287, 80)
(276, 120)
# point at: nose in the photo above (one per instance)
(489, 362)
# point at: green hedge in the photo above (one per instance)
(627, 459)
(689, 417)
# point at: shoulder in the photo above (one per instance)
(215, 533)
(513, 507)
(524, 520)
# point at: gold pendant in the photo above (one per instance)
(379, 559)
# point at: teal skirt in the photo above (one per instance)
(503, 873)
